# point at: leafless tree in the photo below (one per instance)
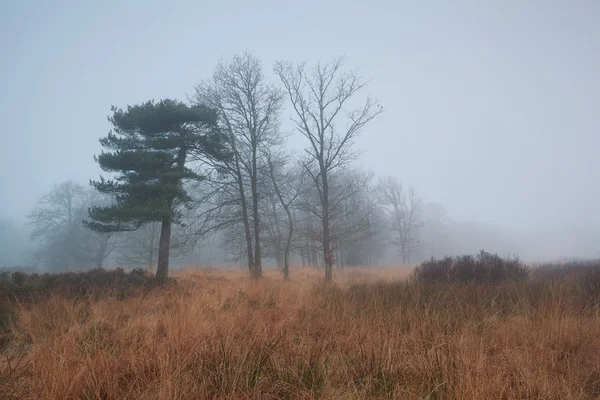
(405, 213)
(99, 246)
(140, 247)
(321, 99)
(57, 222)
(360, 228)
(287, 186)
(273, 236)
(249, 110)
(308, 231)
(350, 216)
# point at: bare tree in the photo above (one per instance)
(56, 225)
(351, 217)
(320, 100)
(273, 238)
(248, 112)
(99, 246)
(287, 187)
(140, 247)
(405, 212)
(63, 241)
(355, 218)
(349, 214)
(307, 221)
(373, 246)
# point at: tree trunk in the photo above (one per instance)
(100, 253)
(288, 245)
(256, 215)
(290, 217)
(150, 258)
(279, 256)
(286, 265)
(244, 205)
(302, 246)
(326, 245)
(150, 261)
(313, 254)
(246, 219)
(302, 250)
(247, 234)
(164, 245)
(103, 252)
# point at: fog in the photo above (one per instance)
(488, 108)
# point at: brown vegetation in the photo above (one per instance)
(216, 334)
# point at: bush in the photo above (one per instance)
(561, 270)
(483, 268)
(23, 286)
(585, 274)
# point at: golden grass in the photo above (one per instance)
(218, 335)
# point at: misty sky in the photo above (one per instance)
(489, 109)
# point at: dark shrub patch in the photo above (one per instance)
(22, 286)
(585, 274)
(561, 270)
(482, 268)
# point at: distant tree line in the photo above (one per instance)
(218, 166)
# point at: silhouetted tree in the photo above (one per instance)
(57, 222)
(150, 150)
(287, 186)
(248, 112)
(320, 100)
(140, 248)
(405, 215)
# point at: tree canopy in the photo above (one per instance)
(151, 151)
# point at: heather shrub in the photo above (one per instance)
(482, 268)
(26, 287)
(584, 274)
(561, 270)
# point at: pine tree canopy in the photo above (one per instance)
(149, 152)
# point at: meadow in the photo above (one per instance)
(372, 334)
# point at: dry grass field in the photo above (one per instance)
(371, 334)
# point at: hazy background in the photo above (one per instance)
(489, 107)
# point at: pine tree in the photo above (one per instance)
(150, 150)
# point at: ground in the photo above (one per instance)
(371, 334)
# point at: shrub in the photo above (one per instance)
(23, 286)
(561, 270)
(584, 273)
(483, 268)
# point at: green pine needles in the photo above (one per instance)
(151, 152)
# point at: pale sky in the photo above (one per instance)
(490, 106)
